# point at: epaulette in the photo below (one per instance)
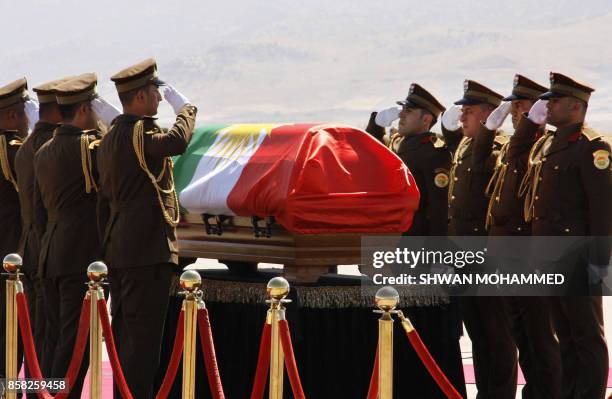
(94, 144)
(590, 134)
(437, 141)
(501, 139)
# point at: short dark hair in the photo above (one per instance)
(46, 109)
(434, 119)
(127, 97)
(68, 111)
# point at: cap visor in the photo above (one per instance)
(158, 82)
(551, 94)
(407, 104)
(468, 101)
(514, 97)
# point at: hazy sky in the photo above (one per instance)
(312, 60)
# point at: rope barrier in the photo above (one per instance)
(210, 359)
(263, 363)
(175, 359)
(290, 363)
(112, 351)
(30, 352)
(428, 360)
(373, 389)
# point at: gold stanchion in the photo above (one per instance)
(386, 299)
(278, 289)
(96, 272)
(191, 283)
(12, 265)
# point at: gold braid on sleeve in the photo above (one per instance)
(4, 161)
(529, 184)
(86, 164)
(496, 183)
(138, 142)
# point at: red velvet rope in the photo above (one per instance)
(210, 359)
(112, 351)
(431, 365)
(25, 328)
(373, 390)
(175, 358)
(292, 370)
(263, 363)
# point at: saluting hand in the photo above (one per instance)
(498, 116)
(386, 117)
(31, 109)
(105, 110)
(450, 118)
(174, 98)
(538, 112)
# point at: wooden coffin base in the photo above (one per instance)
(233, 241)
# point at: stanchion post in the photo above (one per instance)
(386, 300)
(190, 283)
(96, 273)
(278, 289)
(12, 265)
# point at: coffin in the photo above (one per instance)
(301, 195)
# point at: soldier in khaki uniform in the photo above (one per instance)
(486, 322)
(570, 193)
(531, 316)
(429, 161)
(29, 245)
(139, 214)
(65, 201)
(13, 128)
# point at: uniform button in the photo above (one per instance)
(556, 167)
(537, 218)
(497, 198)
(567, 230)
(544, 159)
(515, 171)
(537, 198)
(452, 197)
(539, 179)
(456, 179)
(469, 169)
(475, 228)
(459, 162)
(519, 229)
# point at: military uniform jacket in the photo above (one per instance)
(64, 212)
(29, 244)
(506, 206)
(10, 219)
(573, 194)
(473, 166)
(429, 161)
(135, 232)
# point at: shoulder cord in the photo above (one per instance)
(4, 162)
(460, 150)
(496, 183)
(138, 142)
(530, 182)
(86, 164)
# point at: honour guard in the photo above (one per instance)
(493, 349)
(139, 213)
(49, 119)
(569, 193)
(13, 129)
(531, 318)
(65, 199)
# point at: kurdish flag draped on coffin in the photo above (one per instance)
(311, 178)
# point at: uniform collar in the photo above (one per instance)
(413, 141)
(568, 130)
(129, 118)
(40, 125)
(68, 130)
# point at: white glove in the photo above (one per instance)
(450, 118)
(498, 116)
(538, 112)
(386, 117)
(174, 98)
(106, 111)
(31, 109)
